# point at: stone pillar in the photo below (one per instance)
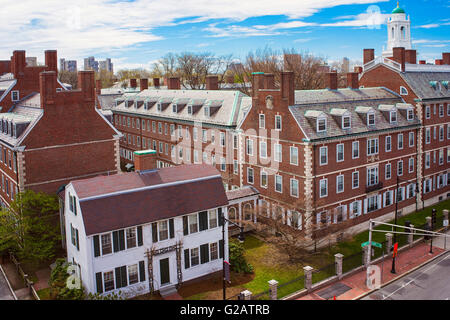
(365, 256)
(273, 289)
(338, 258)
(428, 221)
(411, 236)
(246, 294)
(308, 277)
(389, 242)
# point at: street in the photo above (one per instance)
(5, 293)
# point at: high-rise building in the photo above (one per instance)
(67, 65)
(106, 65)
(90, 64)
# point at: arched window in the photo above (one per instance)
(248, 212)
(403, 33)
(232, 213)
(403, 91)
(393, 33)
(295, 220)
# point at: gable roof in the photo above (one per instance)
(420, 83)
(130, 199)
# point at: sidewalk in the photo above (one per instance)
(356, 283)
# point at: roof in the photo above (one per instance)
(422, 84)
(370, 99)
(246, 191)
(130, 199)
(230, 105)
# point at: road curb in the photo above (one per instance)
(401, 276)
(9, 284)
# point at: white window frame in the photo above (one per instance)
(319, 120)
(281, 183)
(326, 155)
(341, 176)
(325, 180)
(295, 163)
(292, 182)
(386, 166)
(355, 143)
(262, 120)
(355, 174)
(337, 152)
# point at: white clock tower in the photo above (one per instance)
(399, 31)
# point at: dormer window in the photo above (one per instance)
(434, 84)
(393, 116)
(371, 119)
(207, 114)
(410, 114)
(15, 95)
(146, 105)
(445, 84)
(159, 105)
(174, 108)
(321, 124)
(346, 122)
(14, 131)
(189, 109)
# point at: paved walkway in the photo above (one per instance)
(406, 261)
(5, 291)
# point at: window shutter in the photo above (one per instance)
(98, 279)
(204, 253)
(121, 240)
(154, 232)
(116, 241)
(203, 220)
(74, 205)
(185, 226)
(118, 278)
(220, 216)
(123, 276)
(186, 259)
(139, 236)
(78, 240)
(70, 203)
(171, 229)
(96, 246)
(351, 210)
(221, 248)
(141, 271)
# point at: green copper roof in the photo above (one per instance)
(143, 152)
(398, 9)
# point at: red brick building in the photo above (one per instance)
(50, 135)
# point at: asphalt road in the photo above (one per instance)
(431, 282)
(5, 293)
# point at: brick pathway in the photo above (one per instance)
(406, 260)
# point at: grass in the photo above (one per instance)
(44, 294)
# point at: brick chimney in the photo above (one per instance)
(257, 82)
(446, 58)
(288, 87)
(51, 60)
(332, 80)
(411, 56)
(422, 62)
(47, 88)
(86, 83)
(399, 56)
(174, 83)
(133, 83)
(212, 82)
(439, 62)
(98, 86)
(18, 63)
(269, 81)
(156, 82)
(143, 84)
(144, 160)
(369, 55)
(358, 69)
(353, 80)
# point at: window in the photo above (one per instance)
(131, 237)
(262, 121)
(278, 153)
(222, 139)
(388, 198)
(411, 139)
(264, 178)
(340, 184)
(400, 141)
(250, 175)
(193, 223)
(411, 165)
(106, 243)
(372, 203)
(235, 167)
(372, 147)
(212, 217)
(108, 280)
(346, 122)
(263, 149)
(194, 257)
(323, 188)
(163, 230)
(441, 110)
(403, 91)
(400, 168)
(441, 134)
(323, 155)
(321, 124)
(278, 183)
(235, 141)
(340, 152)
(427, 135)
(427, 112)
(159, 127)
(213, 252)
(294, 188)
(441, 156)
(371, 119)
(278, 122)
(133, 274)
(388, 171)
(355, 150)
(249, 147)
(355, 209)
(393, 116)
(194, 134)
(372, 176)
(15, 95)
(355, 179)
(294, 155)
(410, 114)
(388, 143)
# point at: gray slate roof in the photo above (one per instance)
(420, 84)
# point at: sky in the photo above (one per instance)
(136, 33)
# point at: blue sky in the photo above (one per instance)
(136, 33)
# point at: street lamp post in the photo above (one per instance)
(240, 237)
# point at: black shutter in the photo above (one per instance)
(78, 240)
(204, 253)
(187, 260)
(98, 278)
(154, 232)
(139, 236)
(185, 226)
(221, 249)
(123, 275)
(220, 216)
(116, 241)
(121, 240)
(96, 246)
(118, 278)
(141, 271)
(171, 229)
(74, 205)
(203, 219)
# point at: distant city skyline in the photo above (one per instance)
(132, 38)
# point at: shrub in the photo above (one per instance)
(238, 263)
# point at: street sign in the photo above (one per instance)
(374, 244)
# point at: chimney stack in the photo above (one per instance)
(18, 63)
(212, 82)
(269, 81)
(257, 82)
(51, 60)
(369, 55)
(288, 87)
(133, 83)
(332, 80)
(98, 86)
(422, 62)
(358, 69)
(399, 56)
(353, 80)
(143, 84)
(156, 82)
(174, 83)
(411, 56)
(86, 83)
(144, 160)
(439, 62)
(446, 58)
(47, 88)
